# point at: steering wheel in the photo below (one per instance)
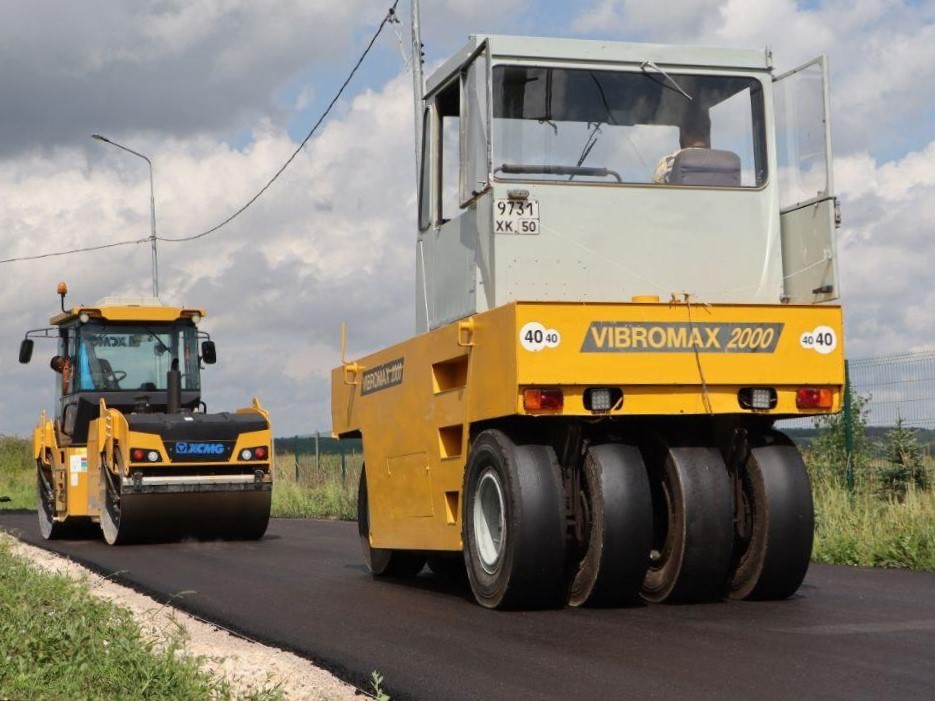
(112, 378)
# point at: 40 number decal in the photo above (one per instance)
(534, 337)
(823, 340)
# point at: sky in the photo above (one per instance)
(219, 94)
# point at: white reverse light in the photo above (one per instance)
(600, 400)
(761, 398)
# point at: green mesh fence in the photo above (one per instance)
(896, 386)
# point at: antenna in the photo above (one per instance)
(418, 85)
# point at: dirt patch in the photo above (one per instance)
(246, 665)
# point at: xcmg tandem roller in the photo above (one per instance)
(131, 445)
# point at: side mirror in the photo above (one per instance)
(209, 353)
(25, 350)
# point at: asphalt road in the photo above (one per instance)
(849, 633)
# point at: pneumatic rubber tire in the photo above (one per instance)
(617, 506)
(692, 525)
(513, 523)
(382, 562)
(773, 557)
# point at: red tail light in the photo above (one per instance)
(543, 400)
(137, 454)
(814, 398)
(260, 453)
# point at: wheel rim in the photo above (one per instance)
(748, 524)
(489, 521)
(110, 514)
(664, 507)
(584, 526)
(747, 515)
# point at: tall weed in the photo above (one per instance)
(870, 526)
(325, 492)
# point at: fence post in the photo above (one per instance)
(317, 453)
(295, 455)
(343, 465)
(848, 429)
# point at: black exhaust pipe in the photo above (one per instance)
(173, 388)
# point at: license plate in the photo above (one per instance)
(516, 217)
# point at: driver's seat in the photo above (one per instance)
(705, 166)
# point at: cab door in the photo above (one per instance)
(459, 176)
(808, 211)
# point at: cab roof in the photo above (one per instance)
(128, 310)
(587, 51)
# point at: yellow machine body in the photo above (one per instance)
(417, 404)
(77, 468)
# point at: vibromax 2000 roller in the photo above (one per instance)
(131, 445)
(625, 274)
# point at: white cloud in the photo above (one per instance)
(170, 67)
(804, 33)
(893, 181)
(314, 361)
(886, 247)
(672, 20)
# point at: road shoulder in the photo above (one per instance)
(248, 666)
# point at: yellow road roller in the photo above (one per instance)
(626, 270)
(132, 446)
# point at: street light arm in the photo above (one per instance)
(128, 150)
(152, 206)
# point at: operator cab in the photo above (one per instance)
(124, 351)
(567, 170)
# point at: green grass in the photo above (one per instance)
(57, 641)
(17, 473)
(316, 493)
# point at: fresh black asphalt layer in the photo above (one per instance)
(849, 634)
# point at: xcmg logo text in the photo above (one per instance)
(182, 448)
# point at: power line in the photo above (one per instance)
(75, 250)
(390, 17)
